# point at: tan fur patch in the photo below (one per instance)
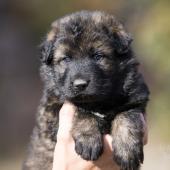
(102, 47)
(97, 17)
(58, 55)
(60, 52)
(106, 64)
(121, 125)
(51, 35)
(65, 20)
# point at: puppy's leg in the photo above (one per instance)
(127, 132)
(87, 137)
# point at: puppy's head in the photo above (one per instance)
(81, 56)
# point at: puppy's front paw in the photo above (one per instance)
(89, 147)
(127, 155)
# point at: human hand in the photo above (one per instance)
(65, 157)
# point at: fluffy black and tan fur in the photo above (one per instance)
(87, 59)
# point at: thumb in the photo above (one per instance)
(66, 115)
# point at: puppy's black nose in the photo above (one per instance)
(80, 84)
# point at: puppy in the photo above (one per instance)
(87, 59)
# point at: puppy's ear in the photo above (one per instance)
(122, 40)
(46, 47)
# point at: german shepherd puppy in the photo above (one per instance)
(87, 59)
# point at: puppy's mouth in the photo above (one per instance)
(84, 98)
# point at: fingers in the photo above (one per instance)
(107, 143)
(66, 115)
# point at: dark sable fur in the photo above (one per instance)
(92, 46)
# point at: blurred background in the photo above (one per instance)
(22, 27)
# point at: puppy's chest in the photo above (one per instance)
(103, 118)
(104, 122)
